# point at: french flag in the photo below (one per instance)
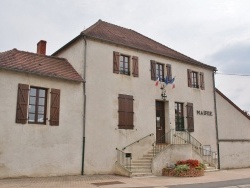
(157, 81)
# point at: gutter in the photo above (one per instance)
(84, 99)
(216, 122)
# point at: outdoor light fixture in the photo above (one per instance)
(163, 92)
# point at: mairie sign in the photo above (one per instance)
(204, 113)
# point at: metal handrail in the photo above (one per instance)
(123, 159)
(151, 134)
(170, 138)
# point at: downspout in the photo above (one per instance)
(84, 99)
(216, 123)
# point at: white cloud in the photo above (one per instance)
(209, 31)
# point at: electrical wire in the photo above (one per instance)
(231, 74)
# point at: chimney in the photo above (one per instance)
(41, 47)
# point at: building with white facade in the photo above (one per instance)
(112, 101)
(120, 68)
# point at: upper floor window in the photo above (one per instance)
(37, 105)
(157, 71)
(160, 71)
(195, 79)
(122, 64)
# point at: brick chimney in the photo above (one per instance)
(41, 47)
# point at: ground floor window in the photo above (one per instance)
(37, 105)
(179, 117)
(125, 112)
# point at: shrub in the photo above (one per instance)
(190, 162)
(181, 168)
(185, 168)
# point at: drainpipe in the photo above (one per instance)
(216, 123)
(84, 98)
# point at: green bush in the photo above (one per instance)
(181, 168)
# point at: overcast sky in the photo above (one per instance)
(215, 32)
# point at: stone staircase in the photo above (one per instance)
(142, 166)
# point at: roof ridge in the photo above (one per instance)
(40, 55)
(175, 51)
(163, 45)
(91, 27)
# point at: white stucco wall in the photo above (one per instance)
(103, 88)
(40, 150)
(234, 135)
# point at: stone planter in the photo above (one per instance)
(192, 172)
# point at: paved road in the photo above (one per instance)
(240, 183)
(237, 178)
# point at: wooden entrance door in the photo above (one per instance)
(160, 122)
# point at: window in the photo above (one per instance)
(196, 79)
(179, 117)
(35, 110)
(124, 65)
(121, 64)
(169, 71)
(37, 105)
(157, 71)
(190, 117)
(125, 112)
(160, 71)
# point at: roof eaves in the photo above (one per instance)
(109, 41)
(44, 75)
(232, 103)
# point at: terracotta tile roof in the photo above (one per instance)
(127, 37)
(38, 64)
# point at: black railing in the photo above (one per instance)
(124, 159)
(179, 123)
(137, 141)
(184, 137)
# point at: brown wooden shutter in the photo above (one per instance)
(135, 66)
(153, 70)
(54, 106)
(22, 103)
(190, 117)
(125, 112)
(169, 71)
(116, 60)
(189, 75)
(202, 82)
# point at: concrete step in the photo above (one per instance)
(210, 168)
(142, 161)
(141, 174)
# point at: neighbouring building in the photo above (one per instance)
(41, 107)
(112, 101)
(234, 134)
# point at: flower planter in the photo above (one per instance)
(188, 168)
(192, 172)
